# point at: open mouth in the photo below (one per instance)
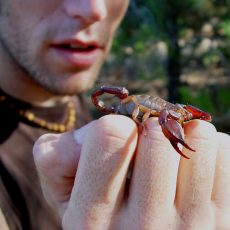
(76, 48)
(76, 53)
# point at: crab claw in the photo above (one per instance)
(173, 131)
(197, 113)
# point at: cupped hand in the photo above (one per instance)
(107, 175)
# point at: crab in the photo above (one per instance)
(171, 116)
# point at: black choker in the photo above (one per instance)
(22, 109)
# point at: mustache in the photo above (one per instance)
(75, 30)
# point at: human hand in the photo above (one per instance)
(165, 190)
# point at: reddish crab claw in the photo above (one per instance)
(173, 131)
(171, 122)
(197, 113)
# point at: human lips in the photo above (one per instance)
(77, 53)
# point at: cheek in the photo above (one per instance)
(26, 14)
(19, 18)
(116, 11)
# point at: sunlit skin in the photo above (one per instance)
(54, 49)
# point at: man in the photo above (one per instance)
(49, 50)
(53, 49)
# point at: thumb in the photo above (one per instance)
(56, 158)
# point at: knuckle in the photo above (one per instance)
(201, 129)
(117, 126)
(155, 131)
(43, 150)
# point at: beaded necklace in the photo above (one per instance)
(22, 110)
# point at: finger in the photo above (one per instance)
(102, 171)
(56, 157)
(196, 176)
(221, 190)
(153, 184)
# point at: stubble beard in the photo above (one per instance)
(24, 66)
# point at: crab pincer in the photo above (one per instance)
(173, 131)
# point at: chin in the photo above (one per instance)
(74, 87)
(81, 83)
(69, 83)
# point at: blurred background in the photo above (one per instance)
(179, 50)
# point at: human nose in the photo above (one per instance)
(89, 11)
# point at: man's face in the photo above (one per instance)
(61, 44)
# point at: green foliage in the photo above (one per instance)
(225, 26)
(200, 98)
(210, 59)
(202, 30)
(137, 38)
(223, 99)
